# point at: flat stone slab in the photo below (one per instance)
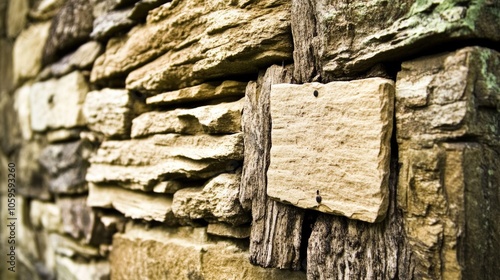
(333, 138)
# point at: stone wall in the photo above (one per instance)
(243, 139)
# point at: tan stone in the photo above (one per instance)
(81, 59)
(438, 96)
(183, 253)
(351, 37)
(131, 203)
(69, 247)
(57, 103)
(327, 143)
(222, 229)
(63, 135)
(69, 269)
(110, 111)
(195, 40)
(6, 65)
(46, 215)
(446, 113)
(216, 201)
(28, 49)
(142, 163)
(201, 92)
(22, 106)
(212, 119)
(46, 9)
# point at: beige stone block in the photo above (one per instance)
(46, 215)
(28, 50)
(217, 201)
(183, 253)
(131, 203)
(186, 43)
(70, 269)
(143, 163)
(16, 16)
(110, 111)
(212, 119)
(57, 103)
(22, 106)
(226, 230)
(333, 138)
(201, 92)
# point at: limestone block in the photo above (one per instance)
(63, 135)
(16, 16)
(110, 111)
(447, 130)
(57, 103)
(70, 27)
(446, 97)
(226, 230)
(68, 247)
(131, 203)
(81, 59)
(319, 136)
(28, 50)
(46, 215)
(66, 164)
(70, 269)
(46, 9)
(216, 201)
(201, 92)
(183, 253)
(22, 106)
(142, 163)
(212, 119)
(202, 49)
(339, 39)
(111, 23)
(10, 128)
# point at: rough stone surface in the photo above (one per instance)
(341, 39)
(216, 201)
(226, 230)
(276, 233)
(57, 103)
(340, 151)
(110, 111)
(447, 129)
(204, 49)
(63, 135)
(28, 51)
(201, 92)
(131, 203)
(15, 19)
(66, 164)
(10, 128)
(212, 119)
(81, 59)
(68, 247)
(183, 253)
(69, 269)
(22, 106)
(142, 163)
(46, 9)
(46, 215)
(448, 96)
(110, 24)
(70, 27)
(77, 218)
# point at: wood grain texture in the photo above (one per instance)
(276, 228)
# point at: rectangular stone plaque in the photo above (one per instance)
(333, 139)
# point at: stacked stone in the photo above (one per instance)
(158, 139)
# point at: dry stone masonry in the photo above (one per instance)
(244, 139)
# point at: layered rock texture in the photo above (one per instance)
(272, 139)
